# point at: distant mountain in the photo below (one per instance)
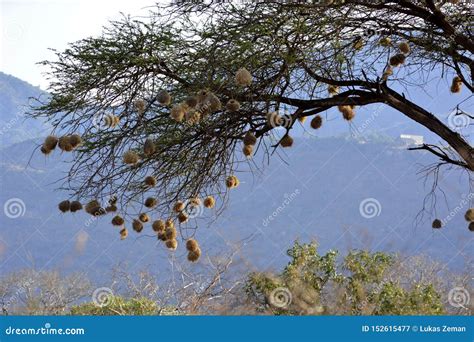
(14, 101)
(340, 192)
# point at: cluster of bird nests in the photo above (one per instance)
(469, 217)
(165, 229)
(66, 143)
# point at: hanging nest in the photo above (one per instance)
(75, 140)
(111, 120)
(333, 90)
(137, 226)
(50, 142)
(45, 151)
(471, 226)
(177, 113)
(286, 141)
(247, 150)
(385, 41)
(130, 158)
(191, 101)
(209, 202)
(139, 106)
(193, 117)
(183, 217)
(149, 147)
(111, 209)
(150, 181)
(317, 122)
(437, 224)
(171, 244)
(151, 202)
(388, 72)
(94, 208)
(178, 207)
(193, 256)
(243, 77)
(64, 206)
(358, 44)
(469, 215)
(161, 236)
(75, 206)
(232, 182)
(169, 223)
(404, 47)
(192, 245)
(214, 102)
(158, 226)
(347, 111)
(232, 105)
(113, 200)
(144, 217)
(123, 234)
(170, 233)
(163, 98)
(397, 60)
(456, 84)
(250, 138)
(118, 220)
(64, 143)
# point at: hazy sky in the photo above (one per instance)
(30, 27)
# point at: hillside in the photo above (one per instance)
(14, 101)
(313, 193)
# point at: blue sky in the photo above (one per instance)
(30, 27)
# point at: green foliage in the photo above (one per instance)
(361, 283)
(121, 306)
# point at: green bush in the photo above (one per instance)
(122, 306)
(362, 283)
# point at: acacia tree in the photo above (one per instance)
(167, 97)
